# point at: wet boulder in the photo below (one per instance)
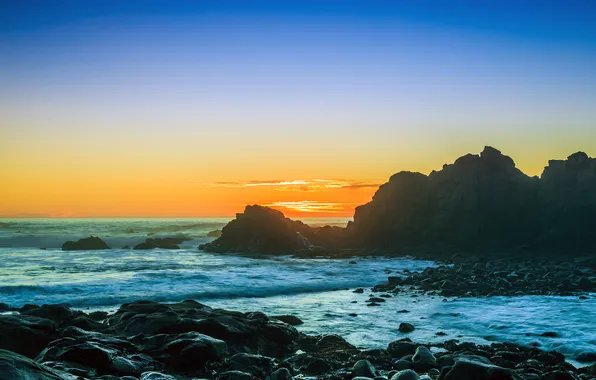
(15, 366)
(257, 365)
(187, 352)
(26, 335)
(464, 369)
(291, 320)
(407, 374)
(57, 313)
(363, 368)
(85, 244)
(423, 359)
(401, 348)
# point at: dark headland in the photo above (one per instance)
(501, 232)
(481, 205)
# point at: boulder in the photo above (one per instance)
(184, 352)
(407, 374)
(363, 368)
(26, 335)
(151, 375)
(15, 366)
(85, 244)
(464, 369)
(289, 319)
(401, 348)
(405, 327)
(423, 359)
(281, 374)
(57, 313)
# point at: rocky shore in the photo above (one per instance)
(505, 276)
(152, 341)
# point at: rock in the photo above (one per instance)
(402, 364)
(264, 230)
(423, 359)
(98, 315)
(465, 369)
(281, 374)
(559, 375)
(235, 375)
(215, 233)
(90, 243)
(163, 243)
(407, 374)
(15, 366)
(586, 357)
(405, 327)
(289, 319)
(363, 368)
(550, 334)
(484, 203)
(257, 365)
(150, 375)
(186, 351)
(401, 348)
(26, 335)
(57, 313)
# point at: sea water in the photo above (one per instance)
(319, 291)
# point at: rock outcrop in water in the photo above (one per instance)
(185, 340)
(479, 204)
(90, 243)
(484, 203)
(163, 243)
(264, 230)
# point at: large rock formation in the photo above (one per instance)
(483, 203)
(480, 203)
(265, 230)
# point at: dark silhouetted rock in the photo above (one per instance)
(90, 243)
(215, 233)
(26, 335)
(289, 319)
(464, 369)
(163, 243)
(15, 366)
(405, 327)
(260, 230)
(484, 203)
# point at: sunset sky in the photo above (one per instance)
(196, 108)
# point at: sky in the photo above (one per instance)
(197, 108)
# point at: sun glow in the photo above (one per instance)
(313, 206)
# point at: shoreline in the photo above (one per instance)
(189, 339)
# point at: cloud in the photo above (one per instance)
(314, 206)
(302, 185)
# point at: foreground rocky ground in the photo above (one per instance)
(153, 341)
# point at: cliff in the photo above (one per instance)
(480, 203)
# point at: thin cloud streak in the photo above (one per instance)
(313, 206)
(301, 185)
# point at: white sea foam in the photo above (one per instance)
(312, 289)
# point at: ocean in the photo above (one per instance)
(319, 291)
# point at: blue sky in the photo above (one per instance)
(285, 90)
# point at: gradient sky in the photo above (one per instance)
(196, 108)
